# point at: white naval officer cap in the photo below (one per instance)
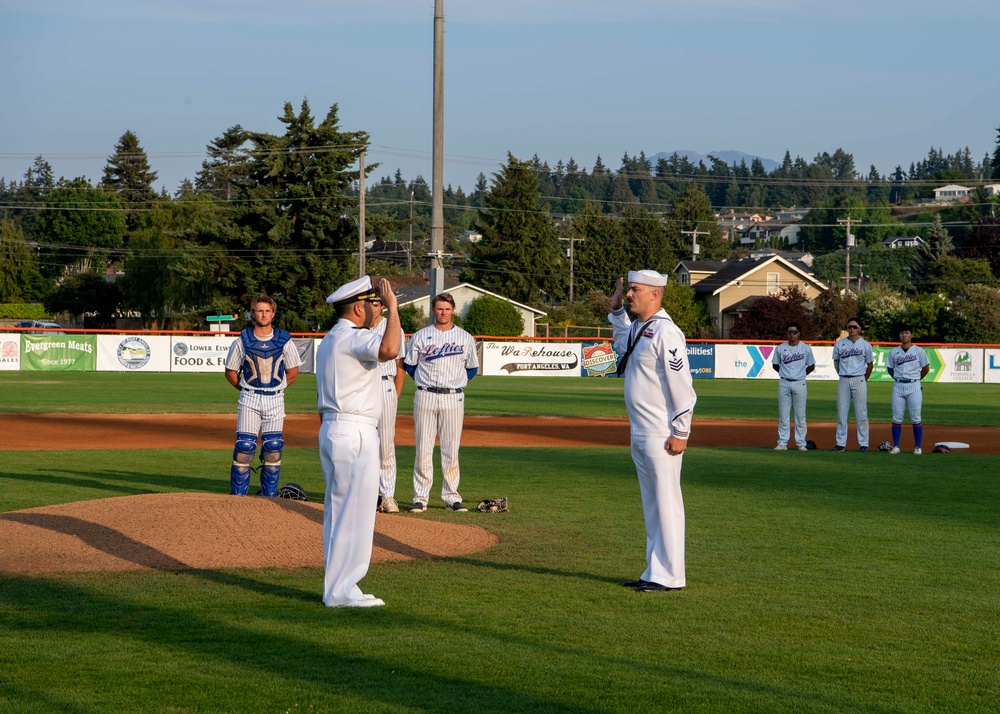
(647, 277)
(360, 289)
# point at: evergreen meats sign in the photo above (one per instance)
(59, 353)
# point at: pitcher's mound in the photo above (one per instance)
(205, 531)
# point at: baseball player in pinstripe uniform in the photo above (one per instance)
(390, 387)
(660, 399)
(441, 359)
(793, 361)
(854, 360)
(262, 362)
(907, 365)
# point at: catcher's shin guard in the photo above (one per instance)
(239, 476)
(270, 469)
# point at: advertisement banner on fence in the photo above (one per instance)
(192, 353)
(958, 365)
(991, 366)
(59, 352)
(307, 353)
(538, 359)
(599, 360)
(133, 353)
(881, 354)
(702, 361)
(754, 362)
(10, 350)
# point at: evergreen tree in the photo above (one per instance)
(518, 256)
(83, 227)
(228, 162)
(995, 162)
(693, 211)
(17, 264)
(127, 174)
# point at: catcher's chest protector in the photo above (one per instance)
(264, 361)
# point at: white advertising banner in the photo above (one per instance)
(193, 353)
(991, 368)
(961, 365)
(539, 359)
(10, 350)
(133, 353)
(754, 362)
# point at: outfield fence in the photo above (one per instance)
(111, 351)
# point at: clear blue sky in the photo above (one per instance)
(884, 80)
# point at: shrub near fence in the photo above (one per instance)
(13, 311)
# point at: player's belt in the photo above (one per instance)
(790, 380)
(339, 416)
(440, 390)
(386, 377)
(265, 392)
(906, 381)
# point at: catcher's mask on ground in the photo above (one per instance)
(292, 491)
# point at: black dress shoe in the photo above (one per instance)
(635, 583)
(654, 588)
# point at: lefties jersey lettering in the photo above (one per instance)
(907, 364)
(852, 358)
(659, 391)
(442, 357)
(793, 361)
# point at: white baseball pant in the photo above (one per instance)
(792, 395)
(662, 509)
(348, 453)
(441, 416)
(256, 413)
(855, 388)
(387, 439)
(907, 396)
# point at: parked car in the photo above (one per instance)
(44, 324)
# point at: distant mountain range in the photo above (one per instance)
(729, 157)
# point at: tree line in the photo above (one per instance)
(275, 213)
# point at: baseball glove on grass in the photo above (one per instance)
(885, 446)
(493, 505)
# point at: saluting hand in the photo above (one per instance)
(385, 292)
(616, 298)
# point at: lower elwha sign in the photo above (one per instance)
(531, 358)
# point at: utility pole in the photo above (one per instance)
(361, 215)
(437, 169)
(409, 248)
(571, 252)
(850, 242)
(695, 248)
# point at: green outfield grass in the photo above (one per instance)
(817, 583)
(960, 404)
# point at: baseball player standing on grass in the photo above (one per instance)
(348, 383)
(262, 362)
(793, 361)
(660, 399)
(441, 360)
(854, 360)
(391, 386)
(907, 365)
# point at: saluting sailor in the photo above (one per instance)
(261, 364)
(660, 399)
(348, 383)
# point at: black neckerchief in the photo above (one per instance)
(633, 341)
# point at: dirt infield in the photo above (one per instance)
(215, 431)
(206, 531)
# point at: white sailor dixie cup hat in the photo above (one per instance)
(647, 277)
(360, 289)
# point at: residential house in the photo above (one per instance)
(464, 293)
(903, 242)
(690, 272)
(470, 236)
(805, 259)
(992, 189)
(951, 193)
(731, 291)
(764, 231)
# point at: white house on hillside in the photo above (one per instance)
(951, 193)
